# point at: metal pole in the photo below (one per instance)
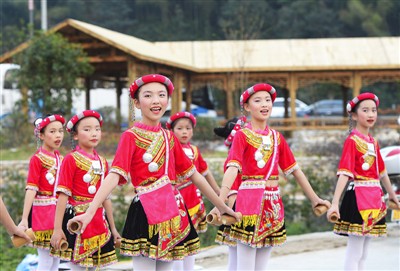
(43, 5)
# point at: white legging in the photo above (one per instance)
(186, 264)
(46, 262)
(141, 263)
(232, 258)
(356, 252)
(249, 258)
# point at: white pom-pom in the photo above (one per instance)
(147, 157)
(92, 189)
(233, 132)
(261, 164)
(87, 178)
(49, 177)
(153, 167)
(365, 166)
(258, 155)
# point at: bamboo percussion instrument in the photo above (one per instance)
(117, 243)
(19, 241)
(225, 219)
(392, 205)
(334, 217)
(320, 209)
(63, 245)
(75, 227)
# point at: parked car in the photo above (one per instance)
(326, 108)
(278, 110)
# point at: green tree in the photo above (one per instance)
(50, 67)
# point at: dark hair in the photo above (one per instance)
(225, 131)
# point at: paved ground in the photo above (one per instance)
(316, 251)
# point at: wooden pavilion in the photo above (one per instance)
(232, 66)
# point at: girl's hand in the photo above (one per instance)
(115, 234)
(17, 231)
(395, 200)
(320, 201)
(23, 225)
(216, 212)
(84, 219)
(56, 238)
(227, 210)
(333, 210)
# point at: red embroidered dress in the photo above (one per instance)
(87, 247)
(41, 164)
(362, 162)
(267, 227)
(190, 193)
(165, 241)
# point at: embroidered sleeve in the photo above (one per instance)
(201, 166)
(63, 189)
(290, 170)
(123, 157)
(347, 161)
(235, 157)
(67, 173)
(286, 159)
(34, 171)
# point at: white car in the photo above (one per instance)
(278, 110)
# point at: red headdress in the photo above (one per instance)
(41, 123)
(363, 96)
(179, 116)
(150, 78)
(258, 87)
(84, 114)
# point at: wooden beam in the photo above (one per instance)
(100, 59)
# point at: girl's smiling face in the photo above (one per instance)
(365, 115)
(183, 129)
(259, 105)
(52, 136)
(152, 101)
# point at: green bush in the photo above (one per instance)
(13, 193)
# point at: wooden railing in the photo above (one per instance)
(326, 123)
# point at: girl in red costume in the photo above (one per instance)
(362, 212)
(182, 125)
(40, 197)
(256, 152)
(82, 172)
(157, 228)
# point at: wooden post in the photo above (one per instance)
(229, 86)
(176, 99)
(118, 85)
(357, 84)
(88, 86)
(293, 85)
(131, 77)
